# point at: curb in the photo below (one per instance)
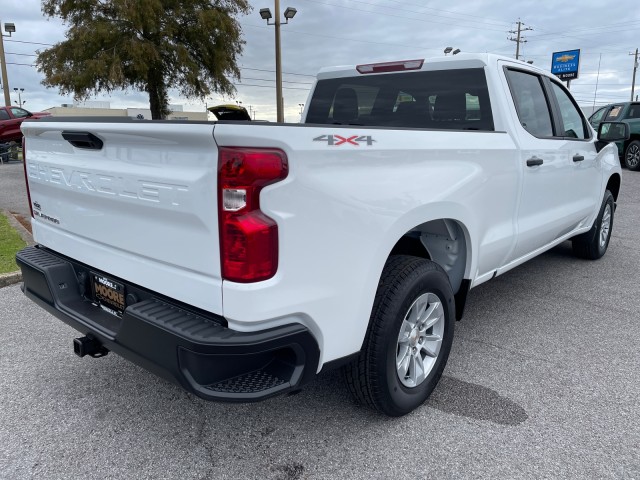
(7, 279)
(24, 233)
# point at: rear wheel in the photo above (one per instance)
(593, 244)
(409, 337)
(632, 156)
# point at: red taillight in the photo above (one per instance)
(26, 177)
(248, 238)
(390, 66)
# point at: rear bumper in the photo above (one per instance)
(192, 348)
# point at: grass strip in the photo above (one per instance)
(10, 243)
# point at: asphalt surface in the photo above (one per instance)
(543, 382)
(13, 193)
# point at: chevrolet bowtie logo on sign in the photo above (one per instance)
(565, 58)
(337, 140)
(564, 65)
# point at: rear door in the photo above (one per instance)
(577, 141)
(553, 201)
(135, 199)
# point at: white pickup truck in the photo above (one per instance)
(239, 259)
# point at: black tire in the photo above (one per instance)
(593, 244)
(632, 156)
(372, 378)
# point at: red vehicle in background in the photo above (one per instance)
(10, 120)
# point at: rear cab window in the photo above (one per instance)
(615, 113)
(442, 100)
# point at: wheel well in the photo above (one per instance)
(441, 241)
(613, 185)
(410, 244)
(634, 136)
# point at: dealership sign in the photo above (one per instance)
(564, 65)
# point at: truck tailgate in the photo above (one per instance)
(142, 207)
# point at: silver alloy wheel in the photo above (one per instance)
(420, 339)
(605, 225)
(633, 156)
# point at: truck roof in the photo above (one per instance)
(462, 60)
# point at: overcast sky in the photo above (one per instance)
(339, 32)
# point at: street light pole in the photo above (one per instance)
(19, 92)
(9, 28)
(289, 13)
(279, 109)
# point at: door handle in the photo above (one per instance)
(534, 162)
(84, 140)
(578, 158)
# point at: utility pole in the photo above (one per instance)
(635, 67)
(519, 38)
(9, 28)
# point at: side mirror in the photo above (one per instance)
(613, 132)
(29, 114)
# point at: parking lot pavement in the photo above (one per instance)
(13, 193)
(543, 381)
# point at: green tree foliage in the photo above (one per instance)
(147, 45)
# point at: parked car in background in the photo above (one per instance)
(628, 112)
(10, 120)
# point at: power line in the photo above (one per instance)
(242, 68)
(403, 18)
(498, 22)
(273, 71)
(31, 43)
(588, 29)
(268, 86)
(341, 38)
(405, 10)
(273, 80)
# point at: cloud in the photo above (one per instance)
(339, 32)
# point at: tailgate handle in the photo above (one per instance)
(84, 140)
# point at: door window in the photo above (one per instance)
(572, 120)
(19, 112)
(4, 115)
(531, 103)
(596, 118)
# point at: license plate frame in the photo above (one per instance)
(108, 294)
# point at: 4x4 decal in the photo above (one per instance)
(337, 140)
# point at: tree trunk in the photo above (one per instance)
(158, 97)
